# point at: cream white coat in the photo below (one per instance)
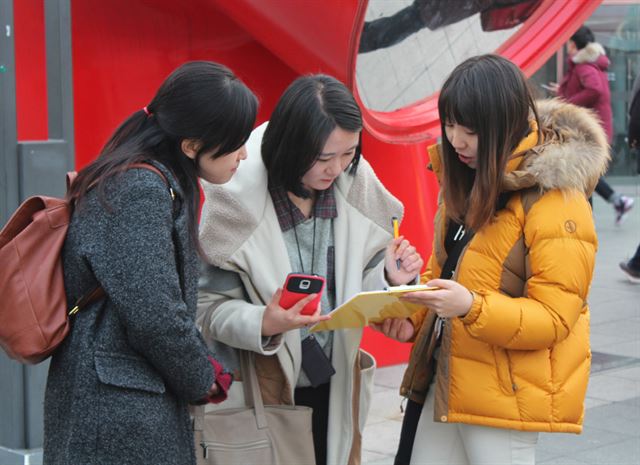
(240, 233)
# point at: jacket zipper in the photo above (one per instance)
(206, 445)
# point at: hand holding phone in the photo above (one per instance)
(300, 296)
(298, 286)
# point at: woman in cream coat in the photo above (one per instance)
(303, 168)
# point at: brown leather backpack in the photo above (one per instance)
(34, 314)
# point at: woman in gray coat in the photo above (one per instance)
(119, 385)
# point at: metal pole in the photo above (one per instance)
(12, 421)
(22, 387)
(8, 136)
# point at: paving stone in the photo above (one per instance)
(629, 373)
(630, 348)
(590, 402)
(602, 361)
(617, 417)
(627, 332)
(569, 444)
(626, 452)
(563, 461)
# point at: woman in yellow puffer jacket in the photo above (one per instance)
(501, 349)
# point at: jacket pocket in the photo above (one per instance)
(129, 372)
(503, 370)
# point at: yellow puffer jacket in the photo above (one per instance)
(520, 358)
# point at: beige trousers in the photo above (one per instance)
(461, 444)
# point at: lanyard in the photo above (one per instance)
(295, 233)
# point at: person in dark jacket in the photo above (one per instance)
(631, 268)
(586, 84)
(633, 133)
(119, 385)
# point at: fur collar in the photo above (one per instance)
(589, 54)
(573, 155)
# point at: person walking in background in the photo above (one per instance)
(501, 349)
(586, 84)
(633, 132)
(632, 267)
(120, 383)
(304, 201)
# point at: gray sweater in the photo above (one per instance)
(119, 385)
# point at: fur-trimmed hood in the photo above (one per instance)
(573, 155)
(593, 52)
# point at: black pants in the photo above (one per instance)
(635, 260)
(603, 189)
(318, 399)
(408, 432)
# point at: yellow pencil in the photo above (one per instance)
(396, 234)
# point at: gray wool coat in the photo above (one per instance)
(119, 385)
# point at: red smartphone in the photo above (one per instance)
(297, 287)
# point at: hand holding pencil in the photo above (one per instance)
(402, 261)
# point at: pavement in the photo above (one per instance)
(611, 434)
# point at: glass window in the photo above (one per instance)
(409, 47)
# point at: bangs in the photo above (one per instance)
(459, 103)
(236, 124)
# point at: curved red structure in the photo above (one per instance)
(123, 49)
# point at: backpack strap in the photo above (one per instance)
(449, 267)
(72, 175)
(94, 295)
(150, 167)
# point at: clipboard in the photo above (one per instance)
(365, 308)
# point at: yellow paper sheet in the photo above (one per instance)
(371, 307)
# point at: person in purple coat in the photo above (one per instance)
(586, 84)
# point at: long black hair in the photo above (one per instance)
(199, 100)
(305, 116)
(489, 95)
(582, 37)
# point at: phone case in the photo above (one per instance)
(297, 286)
(315, 363)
